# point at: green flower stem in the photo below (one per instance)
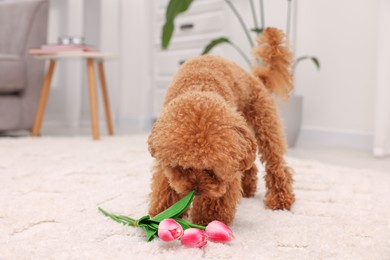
(241, 22)
(185, 224)
(120, 219)
(261, 14)
(176, 209)
(150, 225)
(288, 20)
(242, 54)
(254, 14)
(197, 226)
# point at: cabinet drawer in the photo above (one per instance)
(158, 99)
(193, 25)
(167, 62)
(198, 6)
(191, 42)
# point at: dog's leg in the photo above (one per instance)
(249, 182)
(263, 116)
(206, 209)
(162, 196)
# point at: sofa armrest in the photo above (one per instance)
(36, 36)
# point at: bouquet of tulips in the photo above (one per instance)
(168, 226)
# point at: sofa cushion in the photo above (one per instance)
(16, 20)
(12, 74)
(10, 112)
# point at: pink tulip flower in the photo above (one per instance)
(169, 230)
(218, 232)
(194, 237)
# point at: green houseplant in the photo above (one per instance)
(291, 111)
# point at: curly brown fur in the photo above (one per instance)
(214, 118)
(249, 182)
(277, 58)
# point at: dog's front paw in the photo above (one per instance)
(249, 182)
(279, 200)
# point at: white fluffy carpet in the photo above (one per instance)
(50, 189)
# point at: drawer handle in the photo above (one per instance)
(186, 26)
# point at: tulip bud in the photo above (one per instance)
(218, 232)
(169, 230)
(194, 237)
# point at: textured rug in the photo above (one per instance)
(50, 189)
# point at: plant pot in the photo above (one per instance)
(291, 114)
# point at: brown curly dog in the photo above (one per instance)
(215, 116)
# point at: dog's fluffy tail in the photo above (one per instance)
(277, 58)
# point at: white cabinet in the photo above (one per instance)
(203, 22)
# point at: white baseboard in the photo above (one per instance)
(135, 125)
(336, 138)
(122, 126)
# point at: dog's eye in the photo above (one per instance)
(186, 170)
(180, 168)
(209, 172)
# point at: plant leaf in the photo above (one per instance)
(221, 40)
(120, 219)
(175, 7)
(183, 223)
(214, 43)
(316, 62)
(150, 233)
(312, 58)
(150, 226)
(167, 33)
(257, 30)
(176, 209)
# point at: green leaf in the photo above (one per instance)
(129, 221)
(185, 224)
(167, 33)
(120, 219)
(143, 219)
(176, 209)
(316, 62)
(146, 221)
(312, 58)
(257, 30)
(214, 43)
(175, 7)
(221, 40)
(153, 225)
(150, 234)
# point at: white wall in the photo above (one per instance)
(275, 15)
(65, 18)
(136, 72)
(118, 26)
(339, 100)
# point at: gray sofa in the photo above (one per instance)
(23, 25)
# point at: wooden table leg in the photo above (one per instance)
(93, 98)
(43, 100)
(105, 97)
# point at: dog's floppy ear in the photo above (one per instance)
(248, 148)
(199, 130)
(150, 145)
